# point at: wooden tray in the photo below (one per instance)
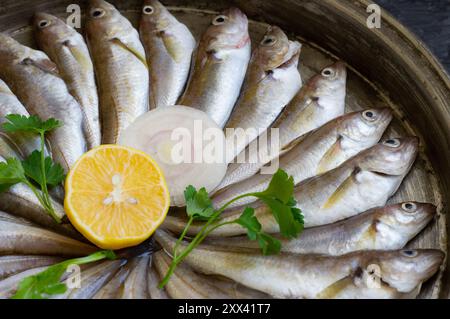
(388, 66)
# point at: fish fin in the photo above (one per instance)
(340, 191)
(131, 50)
(329, 157)
(78, 55)
(44, 65)
(334, 289)
(170, 43)
(292, 144)
(307, 112)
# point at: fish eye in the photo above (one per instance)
(328, 72)
(148, 10)
(219, 20)
(392, 142)
(268, 40)
(44, 23)
(409, 253)
(409, 207)
(97, 13)
(369, 115)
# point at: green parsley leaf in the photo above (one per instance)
(11, 172)
(32, 124)
(198, 203)
(54, 173)
(250, 222)
(267, 243)
(281, 187)
(289, 225)
(48, 282)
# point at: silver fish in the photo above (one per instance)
(219, 67)
(13, 264)
(36, 81)
(185, 283)
(319, 151)
(17, 238)
(365, 181)
(383, 228)
(272, 80)
(66, 47)
(25, 143)
(120, 67)
(135, 286)
(169, 46)
(319, 101)
(363, 274)
(92, 279)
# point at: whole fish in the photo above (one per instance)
(219, 66)
(13, 264)
(36, 81)
(363, 274)
(365, 181)
(169, 46)
(66, 47)
(319, 151)
(319, 101)
(120, 67)
(17, 238)
(272, 80)
(383, 228)
(92, 279)
(135, 285)
(153, 281)
(8, 286)
(25, 143)
(185, 283)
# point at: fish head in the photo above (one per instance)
(274, 49)
(393, 156)
(156, 17)
(228, 31)
(331, 79)
(13, 53)
(49, 29)
(365, 127)
(408, 268)
(406, 218)
(103, 19)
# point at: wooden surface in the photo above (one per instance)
(389, 66)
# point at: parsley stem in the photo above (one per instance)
(41, 200)
(202, 234)
(191, 219)
(44, 178)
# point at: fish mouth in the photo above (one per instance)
(433, 260)
(235, 14)
(385, 115)
(292, 56)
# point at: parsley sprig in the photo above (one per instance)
(36, 169)
(278, 197)
(48, 282)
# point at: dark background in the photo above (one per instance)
(428, 19)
